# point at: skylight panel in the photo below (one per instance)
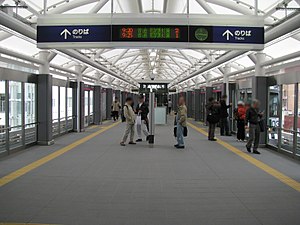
(282, 48)
(19, 45)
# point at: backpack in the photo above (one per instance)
(123, 118)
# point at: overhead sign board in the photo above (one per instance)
(71, 32)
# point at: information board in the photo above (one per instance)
(150, 33)
(103, 31)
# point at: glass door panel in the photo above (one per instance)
(86, 108)
(298, 123)
(288, 107)
(91, 107)
(30, 113)
(15, 114)
(2, 117)
(70, 108)
(62, 109)
(273, 115)
(55, 110)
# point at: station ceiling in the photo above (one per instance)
(136, 64)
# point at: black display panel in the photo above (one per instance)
(150, 33)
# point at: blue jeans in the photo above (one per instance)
(180, 141)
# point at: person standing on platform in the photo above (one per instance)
(224, 123)
(181, 118)
(115, 109)
(253, 117)
(130, 122)
(169, 106)
(213, 117)
(240, 116)
(142, 111)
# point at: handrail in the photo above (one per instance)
(23, 125)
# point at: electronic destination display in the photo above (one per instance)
(150, 33)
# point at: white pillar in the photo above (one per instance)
(260, 70)
(79, 80)
(227, 70)
(44, 68)
(98, 77)
(208, 79)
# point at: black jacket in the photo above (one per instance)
(145, 110)
(252, 116)
(213, 108)
(224, 109)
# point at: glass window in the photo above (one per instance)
(288, 107)
(273, 115)
(298, 123)
(70, 102)
(86, 103)
(91, 107)
(91, 102)
(55, 103)
(62, 103)
(2, 117)
(30, 113)
(30, 104)
(15, 105)
(15, 114)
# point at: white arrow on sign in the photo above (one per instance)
(228, 33)
(65, 32)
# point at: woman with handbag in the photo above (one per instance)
(181, 118)
(213, 117)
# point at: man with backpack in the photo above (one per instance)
(129, 116)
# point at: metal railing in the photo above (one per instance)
(17, 136)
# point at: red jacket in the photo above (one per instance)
(241, 112)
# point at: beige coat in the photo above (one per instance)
(182, 115)
(129, 114)
(115, 106)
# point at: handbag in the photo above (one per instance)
(185, 132)
(138, 120)
(262, 126)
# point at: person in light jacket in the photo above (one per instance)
(181, 118)
(115, 109)
(130, 122)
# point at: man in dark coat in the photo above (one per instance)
(142, 110)
(224, 123)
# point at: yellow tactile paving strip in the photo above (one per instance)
(268, 169)
(26, 169)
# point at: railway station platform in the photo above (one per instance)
(88, 178)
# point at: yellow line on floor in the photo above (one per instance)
(25, 224)
(26, 169)
(92, 127)
(268, 169)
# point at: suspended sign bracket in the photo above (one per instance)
(151, 31)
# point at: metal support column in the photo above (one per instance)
(109, 101)
(80, 100)
(97, 105)
(197, 104)
(44, 102)
(227, 70)
(260, 90)
(151, 117)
